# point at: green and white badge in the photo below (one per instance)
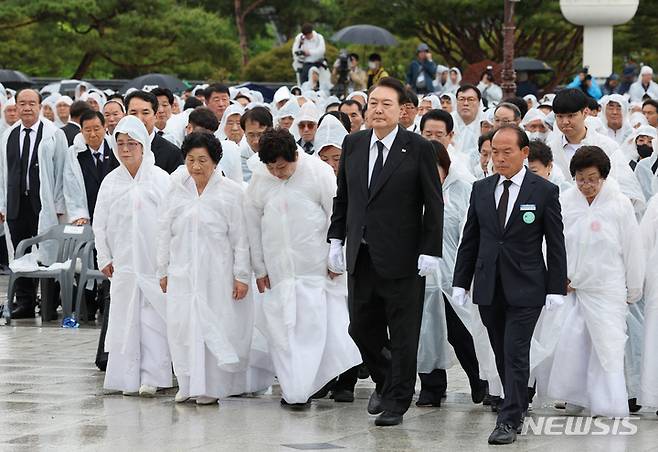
(528, 217)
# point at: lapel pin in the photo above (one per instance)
(404, 150)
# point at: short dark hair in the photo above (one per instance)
(483, 139)
(157, 92)
(519, 103)
(652, 102)
(540, 152)
(438, 115)
(78, 108)
(593, 104)
(307, 28)
(570, 100)
(29, 89)
(261, 115)
(352, 102)
(353, 56)
(215, 88)
(275, 143)
(509, 106)
(521, 137)
(88, 115)
(394, 84)
(192, 102)
(331, 105)
(374, 57)
(203, 140)
(410, 98)
(466, 87)
(588, 156)
(116, 96)
(145, 96)
(341, 116)
(441, 155)
(204, 117)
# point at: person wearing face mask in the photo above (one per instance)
(641, 148)
(287, 208)
(534, 124)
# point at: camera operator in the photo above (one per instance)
(307, 52)
(346, 71)
(491, 92)
(584, 82)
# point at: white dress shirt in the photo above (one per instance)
(514, 189)
(388, 142)
(101, 149)
(33, 140)
(569, 148)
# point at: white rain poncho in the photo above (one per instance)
(174, 130)
(283, 93)
(646, 172)
(637, 119)
(51, 156)
(649, 382)
(621, 134)
(62, 100)
(466, 136)
(231, 162)
(534, 103)
(233, 109)
(433, 99)
(126, 230)
(290, 110)
(451, 87)
(4, 125)
(438, 83)
(75, 194)
(50, 102)
(629, 146)
(305, 312)
(605, 264)
(324, 81)
(330, 133)
(202, 248)
(308, 112)
(361, 94)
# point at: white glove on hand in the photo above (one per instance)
(427, 265)
(633, 295)
(553, 300)
(336, 261)
(459, 296)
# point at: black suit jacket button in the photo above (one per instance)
(501, 243)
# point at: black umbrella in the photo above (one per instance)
(525, 64)
(150, 81)
(366, 35)
(14, 79)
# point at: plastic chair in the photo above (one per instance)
(87, 272)
(70, 240)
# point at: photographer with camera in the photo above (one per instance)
(307, 52)
(491, 92)
(346, 71)
(584, 82)
(422, 71)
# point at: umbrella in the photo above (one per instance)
(150, 81)
(366, 35)
(14, 79)
(525, 64)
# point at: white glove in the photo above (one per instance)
(336, 261)
(459, 296)
(553, 300)
(427, 265)
(633, 295)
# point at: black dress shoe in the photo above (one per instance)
(519, 428)
(23, 312)
(633, 407)
(364, 373)
(296, 406)
(487, 399)
(322, 393)
(479, 391)
(388, 419)
(343, 396)
(375, 403)
(503, 434)
(495, 403)
(428, 399)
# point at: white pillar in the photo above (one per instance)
(597, 50)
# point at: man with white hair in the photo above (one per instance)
(644, 87)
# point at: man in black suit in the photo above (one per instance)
(144, 105)
(389, 208)
(509, 216)
(72, 128)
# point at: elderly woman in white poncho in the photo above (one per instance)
(606, 271)
(288, 205)
(203, 263)
(126, 217)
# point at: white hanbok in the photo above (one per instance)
(305, 313)
(606, 268)
(649, 381)
(126, 229)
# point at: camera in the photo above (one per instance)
(342, 68)
(299, 53)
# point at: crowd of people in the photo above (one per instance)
(519, 240)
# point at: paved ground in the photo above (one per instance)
(52, 398)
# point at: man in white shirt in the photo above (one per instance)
(307, 51)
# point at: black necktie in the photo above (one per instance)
(25, 160)
(502, 204)
(379, 164)
(99, 162)
(308, 147)
(159, 133)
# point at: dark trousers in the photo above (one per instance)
(510, 330)
(303, 77)
(21, 228)
(386, 313)
(104, 299)
(462, 342)
(347, 380)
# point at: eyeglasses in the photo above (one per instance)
(307, 125)
(469, 100)
(591, 182)
(132, 145)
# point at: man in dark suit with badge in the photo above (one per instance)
(389, 209)
(510, 215)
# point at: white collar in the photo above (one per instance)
(517, 179)
(34, 128)
(101, 149)
(387, 140)
(566, 143)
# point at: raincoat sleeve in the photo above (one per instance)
(253, 214)
(3, 172)
(59, 160)
(468, 248)
(633, 252)
(327, 185)
(164, 237)
(556, 254)
(75, 196)
(101, 211)
(239, 241)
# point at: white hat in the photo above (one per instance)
(330, 133)
(646, 70)
(308, 112)
(283, 93)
